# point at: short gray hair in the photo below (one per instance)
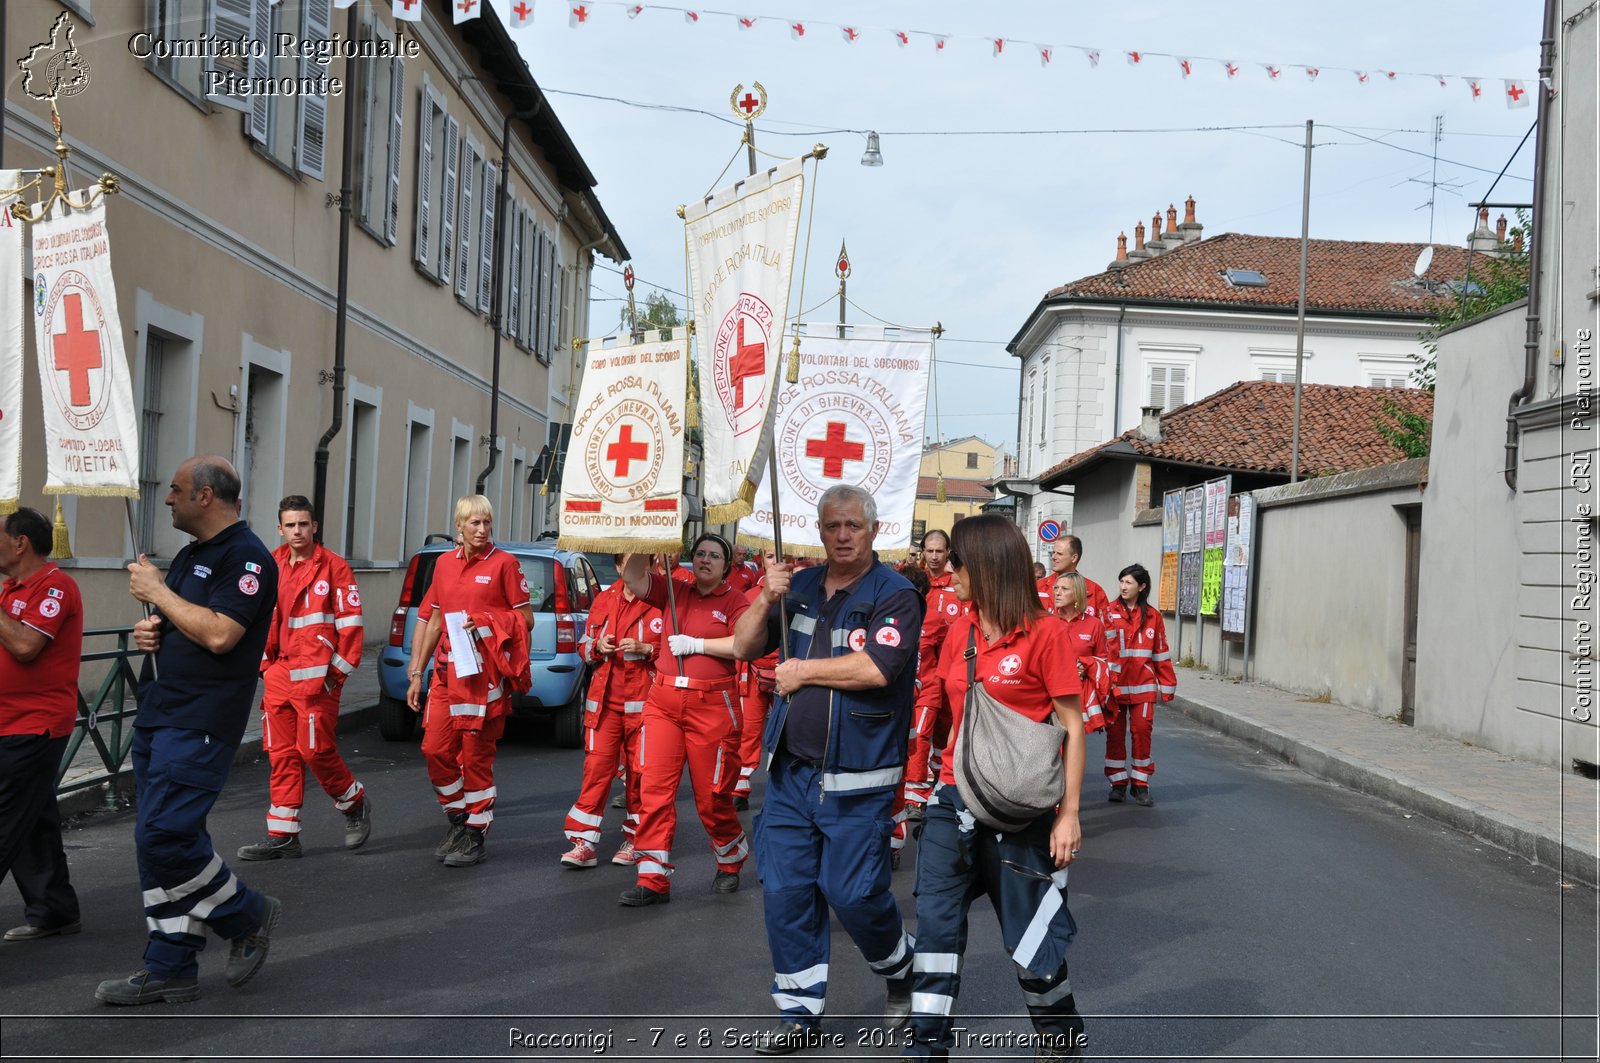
(844, 494)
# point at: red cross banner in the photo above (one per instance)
(10, 351)
(91, 428)
(855, 417)
(622, 484)
(741, 245)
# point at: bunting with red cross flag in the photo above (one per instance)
(855, 417)
(741, 246)
(622, 484)
(10, 347)
(91, 429)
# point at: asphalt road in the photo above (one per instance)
(1254, 913)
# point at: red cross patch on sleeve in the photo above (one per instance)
(888, 635)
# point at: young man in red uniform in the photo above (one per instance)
(687, 718)
(1064, 557)
(620, 642)
(313, 646)
(41, 646)
(475, 579)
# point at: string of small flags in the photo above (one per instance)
(581, 13)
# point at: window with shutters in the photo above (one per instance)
(511, 271)
(168, 21)
(563, 313)
(468, 220)
(1386, 372)
(437, 135)
(288, 128)
(1388, 380)
(533, 335)
(380, 112)
(1169, 386)
(490, 201)
(1279, 376)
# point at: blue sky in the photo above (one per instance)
(992, 190)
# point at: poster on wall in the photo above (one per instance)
(1216, 535)
(1171, 539)
(1190, 555)
(1236, 565)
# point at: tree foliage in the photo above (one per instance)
(658, 311)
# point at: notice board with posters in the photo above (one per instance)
(1237, 556)
(1171, 539)
(1190, 554)
(1216, 535)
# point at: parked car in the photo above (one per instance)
(562, 586)
(604, 567)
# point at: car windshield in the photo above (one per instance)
(539, 571)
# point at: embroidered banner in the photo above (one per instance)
(855, 417)
(91, 429)
(622, 482)
(741, 243)
(10, 348)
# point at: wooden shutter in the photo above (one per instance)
(536, 281)
(231, 19)
(424, 176)
(447, 199)
(486, 236)
(311, 134)
(552, 293)
(464, 264)
(397, 105)
(511, 316)
(260, 67)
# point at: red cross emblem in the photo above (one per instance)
(522, 10)
(1477, 90)
(625, 451)
(77, 351)
(580, 13)
(407, 4)
(749, 360)
(834, 450)
(749, 103)
(798, 29)
(1516, 92)
(1011, 665)
(466, 6)
(1233, 71)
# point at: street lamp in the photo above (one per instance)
(873, 156)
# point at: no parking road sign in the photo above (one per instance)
(1049, 530)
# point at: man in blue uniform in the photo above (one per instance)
(204, 637)
(835, 745)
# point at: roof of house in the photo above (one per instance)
(1348, 276)
(1249, 427)
(927, 486)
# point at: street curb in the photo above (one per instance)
(97, 799)
(1534, 844)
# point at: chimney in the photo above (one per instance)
(1500, 230)
(1122, 252)
(1150, 424)
(1516, 241)
(1190, 228)
(1481, 239)
(1139, 250)
(1155, 245)
(1172, 220)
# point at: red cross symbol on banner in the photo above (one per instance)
(834, 450)
(580, 13)
(749, 103)
(407, 4)
(77, 351)
(466, 6)
(1516, 92)
(522, 10)
(625, 451)
(1476, 91)
(750, 360)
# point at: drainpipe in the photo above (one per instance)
(1530, 343)
(495, 274)
(341, 314)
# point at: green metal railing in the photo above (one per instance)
(105, 719)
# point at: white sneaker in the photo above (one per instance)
(581, 855)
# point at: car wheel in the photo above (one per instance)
(396, 721)
(568, 723)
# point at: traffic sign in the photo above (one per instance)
(1049, 530)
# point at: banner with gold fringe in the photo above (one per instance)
(10, 347)
(91, 427)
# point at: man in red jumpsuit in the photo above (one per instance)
(620, 643)
(312, 647)
(1064, 557)
(943, 607)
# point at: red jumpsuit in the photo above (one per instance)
(614, 709)
(1145, 673)
(755, 698)
(944, 608)
(1096, 605)
(1087, 637)
(688, 716)
(312, 647)
(459, 741)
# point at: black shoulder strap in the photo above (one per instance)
(972, 656)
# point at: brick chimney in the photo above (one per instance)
(1155, 245)
(1150, 424)
(1172, 220)
(1190, 228)
(1122, 252)
(1139, 250)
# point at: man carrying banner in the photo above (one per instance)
(204, 636)
(836, 752)
(313, 646)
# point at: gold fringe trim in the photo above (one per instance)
(620, 546)
(8, 505)
(96, 491)
(729, 512)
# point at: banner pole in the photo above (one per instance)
(133, 537)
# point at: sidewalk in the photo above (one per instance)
(1539, 813)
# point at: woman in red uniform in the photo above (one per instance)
(688, 715)
(1145, 674)
(1020, 656)
(466, 715)
(1087, 636)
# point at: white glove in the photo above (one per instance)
(684, 645)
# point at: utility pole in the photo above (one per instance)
(841, 269)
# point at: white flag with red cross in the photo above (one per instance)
(465, 10)
(10, 350)
(797, 30)
(746, 22)
(521, 14)
(860, 425)
(622, 482)
(91, 428)
(850, 34)
(1516, 93)
(1475, 86)
(741, 246)
(406, 10)
(578, 14)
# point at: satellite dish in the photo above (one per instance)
(1424, 260)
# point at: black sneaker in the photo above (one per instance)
(897, 1004)
(1118, 794)
(452, 835)
(468, 849)
(621, 800)
(141, 987)
(642, 896)
(276, 847)
(358, 823)
(1058, 1048)
(1141, 796)
(786, 1037)
(726, 882)
(248, 953)
(741, 803)
(914, 811)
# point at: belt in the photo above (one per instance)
(801, 762)
(683, 682)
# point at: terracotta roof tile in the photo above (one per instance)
(955, 488)
(1347, 275)
(1250, 425)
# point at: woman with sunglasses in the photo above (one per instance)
(1021, 657)
(688, 717)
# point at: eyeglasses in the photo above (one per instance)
(955, 560)
(708, 555)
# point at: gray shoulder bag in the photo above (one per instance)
(1008, 767)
